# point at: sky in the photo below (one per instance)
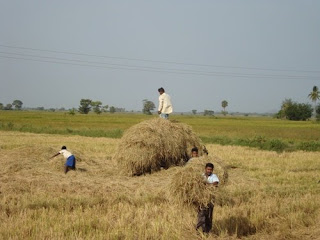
(252, 53)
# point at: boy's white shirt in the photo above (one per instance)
(212, 178)
(65, 153)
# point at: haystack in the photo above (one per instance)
(152, 144)
(188, 185)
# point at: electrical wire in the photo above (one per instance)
(143, 68)
(157, 61)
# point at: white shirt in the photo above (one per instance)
(65, 153)
(212, 178)
(165, 105)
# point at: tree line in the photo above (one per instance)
(149, 106)
(289, 109)
(301, 111)
(207, 112)
(15, 105)
(86, 105)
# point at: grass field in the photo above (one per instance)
(269, 195)
(260, 132)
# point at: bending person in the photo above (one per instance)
(70, 159)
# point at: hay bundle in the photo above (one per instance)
(188, 186)
(153, 144)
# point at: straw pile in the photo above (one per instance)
(188, 186)
(152, 144)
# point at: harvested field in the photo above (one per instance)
(268, 195)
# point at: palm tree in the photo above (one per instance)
(224, 104)
(314, 96)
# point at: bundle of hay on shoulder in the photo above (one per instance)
(188, 186)
(155, 143)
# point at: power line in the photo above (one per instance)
(171, 70)
(145, 69)
(157, 61)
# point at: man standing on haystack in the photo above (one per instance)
(165, 106)
(205, 213)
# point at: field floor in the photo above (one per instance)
(269, 195)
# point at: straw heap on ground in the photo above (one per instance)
(152, 144)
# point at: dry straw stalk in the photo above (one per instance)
(188, 186)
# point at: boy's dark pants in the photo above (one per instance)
(205, 218)
(68, 168)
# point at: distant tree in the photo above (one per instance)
(96, 106)
(40, 108)
(8, 107)
(299, 111)
(284, 106)
(17, 104)
(112, 109)
(318, 112)
(314, 96)
(286, 103)
(148, 106)
(105, 108)
(224, 104)
(52, 109)
(62, 109)
(85, 106)
(208, 113)
(1, 106)
(194, 111)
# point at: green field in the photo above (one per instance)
(261, 132)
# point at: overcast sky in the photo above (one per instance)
(253, 54)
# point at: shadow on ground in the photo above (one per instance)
(234, 225)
